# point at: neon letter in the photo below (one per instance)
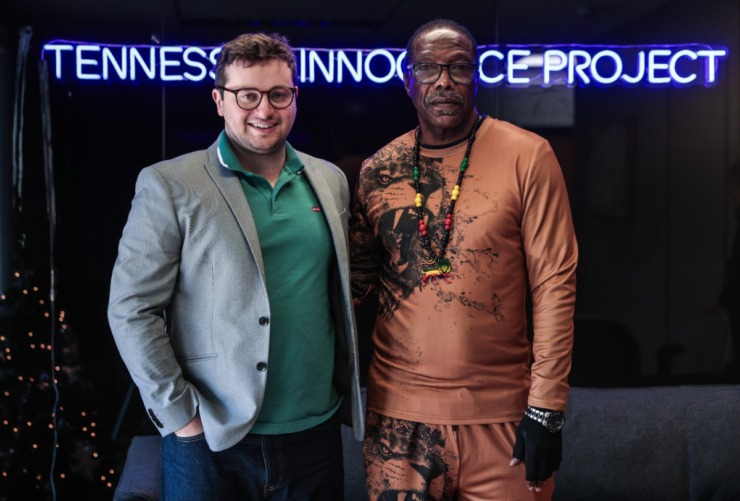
(654, 66)
(82, 61)
(399, 64)
(640, 70)
(213, 57)
(574, 67)
(485, 78)
(343, 60)
(512, 66)
(195, 64)
(618, 66)
(109, 58)
(58, 59)
(711, 66)
(313, 57)
(672, 66)
(134, 55)
(549, 64)
(391, 60)
(163, 63)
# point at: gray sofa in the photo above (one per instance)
(669, 443)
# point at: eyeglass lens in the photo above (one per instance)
(461, 73)
(280, 97)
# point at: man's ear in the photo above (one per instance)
(219, 100)
(406, 83)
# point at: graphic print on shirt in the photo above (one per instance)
(389, 179)
(398, 227)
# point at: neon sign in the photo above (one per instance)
(511, 65)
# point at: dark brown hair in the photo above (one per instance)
(254, 48)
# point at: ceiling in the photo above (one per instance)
(329, 23)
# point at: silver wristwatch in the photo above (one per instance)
(552, 420)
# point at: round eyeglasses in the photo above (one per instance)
(427, 73)
(248, 99)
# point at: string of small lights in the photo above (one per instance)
(32, 335)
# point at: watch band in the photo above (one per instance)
(552, 420)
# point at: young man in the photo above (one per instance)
(230, 300)
(453, 223)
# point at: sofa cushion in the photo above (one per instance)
(654, 443)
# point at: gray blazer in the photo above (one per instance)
(188, 302)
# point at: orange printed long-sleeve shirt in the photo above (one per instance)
(453, 348)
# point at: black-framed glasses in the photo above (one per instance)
(460, 73)
(248, 98)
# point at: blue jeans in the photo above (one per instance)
(307, 465)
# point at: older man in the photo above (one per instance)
(454, 223)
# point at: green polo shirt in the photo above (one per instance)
(297, 252)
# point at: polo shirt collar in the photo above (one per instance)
(227, 157)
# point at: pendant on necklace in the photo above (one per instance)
(432, 271)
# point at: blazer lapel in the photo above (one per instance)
(227, 181)
(329, 206)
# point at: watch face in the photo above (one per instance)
(555, 421)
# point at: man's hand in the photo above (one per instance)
(540, 449)
(194, 427)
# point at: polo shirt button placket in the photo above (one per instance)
(264, 321)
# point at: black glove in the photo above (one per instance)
(540, 449)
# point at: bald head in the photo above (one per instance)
(439, 28)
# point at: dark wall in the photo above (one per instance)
(655, 218)
(7, 50)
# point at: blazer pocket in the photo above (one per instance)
(196, 358)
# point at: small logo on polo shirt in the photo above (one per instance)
(316, 209)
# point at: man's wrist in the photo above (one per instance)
(553, 421)
(192, 428)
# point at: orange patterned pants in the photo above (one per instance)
(410, 461)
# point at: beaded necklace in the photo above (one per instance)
(438, 266)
